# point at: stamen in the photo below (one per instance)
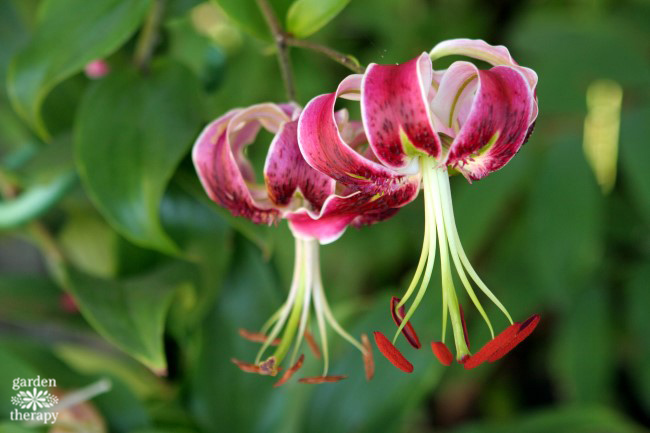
(311, 342)
(525, 329)
(442, 352)
(368, 360)
(430, 219)
(408, 331)
(321, 379)
(462, 319)
(503, 343)
(392, 353)
(256, 337)
(269, 367)
(246, 366)
(290, 372)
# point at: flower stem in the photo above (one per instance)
(280, 38)
(148, 36)
(348, 61)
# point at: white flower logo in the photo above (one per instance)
(34, 399)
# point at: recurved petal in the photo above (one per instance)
(324, 149)
(455, 94)
(395, 111)
(479, 49)
(222, 175)
(356, 209)
(496, 125)
(286, 170)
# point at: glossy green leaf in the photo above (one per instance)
(131, 313)
(132, 131)
(247, 15)
(35, 201)
(70, 34)
(306, 17)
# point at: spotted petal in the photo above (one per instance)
(324, 148)
(286, 171)
(493, 124)
(395, 111)
(355, 209)
(222, 169)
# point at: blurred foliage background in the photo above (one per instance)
(115, 265)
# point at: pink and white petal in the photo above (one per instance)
(497, 124)
(270, 116)
(357, 209)
(286, 170)
(459, 81)
(222, 177)
(325, 150)
(350, 87)
(496, 55)
(395, 111)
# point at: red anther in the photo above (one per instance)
(312, 344)
(256, 337)
(462, 319)
(442, 352)
(368, 360)
(392, 353)
(246, 366)
(289, 373)
(321, 379)
(525, 329)
(503, 343)
(407, 330)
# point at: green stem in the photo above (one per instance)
(348, 61)
(280, 38)
(148, 37)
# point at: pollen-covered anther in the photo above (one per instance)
(392, 353)
(503, 343)
(290, 372)
(268, 367)
(408, 331)
(442, 352)
(256, 337)
(368, 360)
(312, 344)
(322, 379)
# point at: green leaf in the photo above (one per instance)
(588, 419)
(132, 131)
(247, 15)
(34, 202)
(69, 34)
(131, 313)
(582, 354)
(637, 307)
(306, 17)
(634, 156)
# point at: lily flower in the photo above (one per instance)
(317, 209)
(423, 126)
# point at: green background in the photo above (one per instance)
(100, 202)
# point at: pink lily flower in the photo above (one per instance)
(422, 126)
(317, 209)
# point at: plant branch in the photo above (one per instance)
(344, 59)
(280, 38)
(148, 37)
